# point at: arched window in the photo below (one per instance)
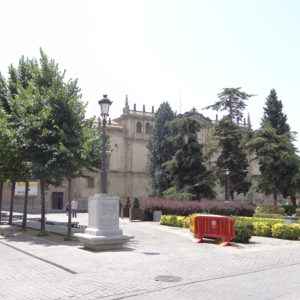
(148, 128)
(139, 127)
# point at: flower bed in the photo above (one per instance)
(186, 208)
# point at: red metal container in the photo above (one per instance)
(214, 226)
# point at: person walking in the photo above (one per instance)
(74, 207)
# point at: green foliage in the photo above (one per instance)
(273, 143)
(136, 203)
(175, 221)
(232, 157)
(289, 209)
(172, 193)
(273, 114)
(262, 229)
(266, 216)
(286, 232)
(268, 209)
(252, 220)
(187, 169)
(232, 100)
(47, 117)
(277, 161)
(243, 232)
(160, 148)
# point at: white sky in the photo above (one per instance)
(157, 50)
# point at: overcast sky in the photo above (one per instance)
(181, 51)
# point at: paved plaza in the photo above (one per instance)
(160, 263)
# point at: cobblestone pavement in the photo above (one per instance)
(38, 268)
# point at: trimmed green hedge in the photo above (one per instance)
(269, 216)
(262, 229)
(243, 232)
(286, 231)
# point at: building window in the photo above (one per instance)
(148, 128)
(139, 127)
(90, 182)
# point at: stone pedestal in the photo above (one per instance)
(103, 232)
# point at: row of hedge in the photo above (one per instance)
(245, 227)
(277, 211)
(186, 208)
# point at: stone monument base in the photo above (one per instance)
(99, 243)
(103, 232)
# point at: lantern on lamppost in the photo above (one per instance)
(105, 104)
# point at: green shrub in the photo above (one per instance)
(174, 194)
(262, 229)
(268, 216)
(269, 209)
(136, 203)
(289, 209)
(243, 232)
(264, 220)
(286, 231)
(187, 222)
(175, 221)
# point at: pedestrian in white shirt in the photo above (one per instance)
(74, 207)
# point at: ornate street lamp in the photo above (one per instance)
(104, 103)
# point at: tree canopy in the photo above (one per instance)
(233, 101)
(187, 169)
(160, 148)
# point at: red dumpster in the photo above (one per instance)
(214, 226)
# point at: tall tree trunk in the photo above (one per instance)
(24, 222)
(11, 208)
(1, 197)
(275, 198)
(293, 200)
(43, 210)
(69, 211)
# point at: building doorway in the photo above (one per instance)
(57, 200)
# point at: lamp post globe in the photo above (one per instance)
(105, 104)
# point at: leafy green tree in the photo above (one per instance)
(80, 140)
(273, 114)
(6, 145)
(18, 167)
(160, 148)
(276, 154)
(232, 157)
(187, 169)
(276, 159)
(231, 138)
(4, 94)
(42, 131)
(232, 100)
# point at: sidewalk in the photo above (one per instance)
(40, 268)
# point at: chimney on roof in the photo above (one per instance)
(153, 109)
(134, 107)
(144, 108)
